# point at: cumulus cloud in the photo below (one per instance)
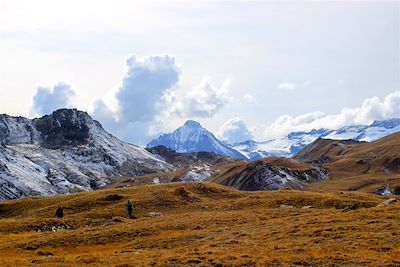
(234, 131)
(47, 99)
(203, 100)
(370, 110)
(139, 97)
(287, 86)
(143, 87)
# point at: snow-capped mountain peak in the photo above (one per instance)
(192, 137)
(192, 124)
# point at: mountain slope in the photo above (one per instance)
(64, 152)
(192, 137)
(370, 167)
(296, 141)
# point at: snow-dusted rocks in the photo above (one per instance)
(64, 152)
(192, 137)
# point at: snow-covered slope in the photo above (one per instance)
(192, 137)
(294, 142)
(64, 152)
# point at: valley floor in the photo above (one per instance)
(201, 224)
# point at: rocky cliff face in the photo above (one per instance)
(65, 128)
(65, 152)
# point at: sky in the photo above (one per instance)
(242, 69)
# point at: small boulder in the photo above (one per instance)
(117, 219)
(284, 206)
(154, 214)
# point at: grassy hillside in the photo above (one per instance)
(201, 224)
(362, 167)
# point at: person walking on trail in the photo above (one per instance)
(59, 213)
(129, 208)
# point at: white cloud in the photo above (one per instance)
(143, 86)
(46, 99)
(370, 110)
(234, 130)
(139, 98)
(203, 100)
(287, 86)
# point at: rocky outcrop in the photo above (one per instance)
(64, 152)
(261, 175)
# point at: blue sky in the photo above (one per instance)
(258, 69)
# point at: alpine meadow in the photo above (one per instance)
(199, 133)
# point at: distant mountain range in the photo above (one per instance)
(64, 152)
(192, 137)
(325, 165)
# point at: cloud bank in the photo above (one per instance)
(46, 99)
(370, 110)
(234, 131)
(150, 99)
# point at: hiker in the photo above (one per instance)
(59, 213)
(129, 208)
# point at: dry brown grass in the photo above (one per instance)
(202, 224)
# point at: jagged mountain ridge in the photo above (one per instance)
(64, 152)
(192, 137)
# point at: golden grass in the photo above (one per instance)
(202, 224)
